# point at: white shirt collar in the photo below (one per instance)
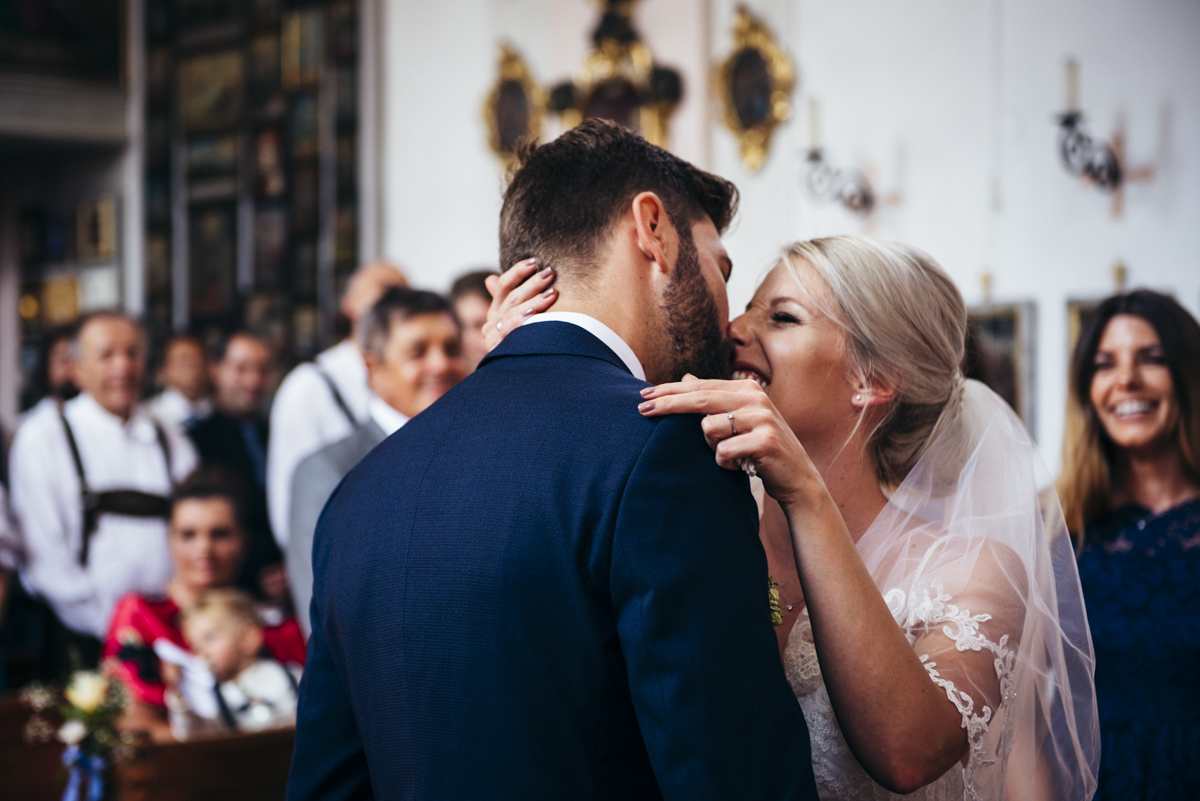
(139, 426)
(385, 416)
(599, 330)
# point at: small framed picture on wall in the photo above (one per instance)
(1001, 354)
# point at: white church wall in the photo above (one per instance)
(949, 106)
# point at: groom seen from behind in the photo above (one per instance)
(533, 592)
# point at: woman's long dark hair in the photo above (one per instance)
(1089, 455)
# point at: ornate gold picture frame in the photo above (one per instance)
(515, 106)
(753, 86)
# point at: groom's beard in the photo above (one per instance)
(697, 340)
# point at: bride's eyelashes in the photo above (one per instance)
(783, 318)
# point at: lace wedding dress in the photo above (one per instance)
(975, 566)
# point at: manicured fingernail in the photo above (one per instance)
(648, 392)
(546, 273)
(532, 261)
(549, 293)
(646, 407)
(527, 313)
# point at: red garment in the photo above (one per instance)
(140, 620)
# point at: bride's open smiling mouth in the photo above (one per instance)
(742, 372)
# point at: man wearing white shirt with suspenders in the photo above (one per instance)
(90, 487)
(322, 401)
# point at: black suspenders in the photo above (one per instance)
(227, 716)
(132, 503)
(337, 396)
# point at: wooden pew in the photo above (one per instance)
(27, 772)
(245, 767)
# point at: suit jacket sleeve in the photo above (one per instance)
(689, 588)
(329, 763)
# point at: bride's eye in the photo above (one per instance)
(783, 318)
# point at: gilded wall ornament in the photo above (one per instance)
(515, 107)
(753, 86)
(619, 80)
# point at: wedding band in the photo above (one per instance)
(731, 426)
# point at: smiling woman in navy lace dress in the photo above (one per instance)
(1131, 486)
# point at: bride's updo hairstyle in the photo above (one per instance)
(905, 327)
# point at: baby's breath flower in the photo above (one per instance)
(37, 697)
(38, 730)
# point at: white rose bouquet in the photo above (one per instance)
(92, 703)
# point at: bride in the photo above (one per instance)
(935, 635)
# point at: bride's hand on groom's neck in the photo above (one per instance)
(521, 292)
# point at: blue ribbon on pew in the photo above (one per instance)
(84, 768)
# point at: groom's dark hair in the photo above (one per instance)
(565, 195)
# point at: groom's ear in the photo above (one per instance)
(654, 232)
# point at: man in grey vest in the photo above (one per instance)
(322, 401)
(411, 344)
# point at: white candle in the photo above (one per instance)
(814, 124)
(1072, 86)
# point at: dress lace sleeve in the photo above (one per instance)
(965, 623)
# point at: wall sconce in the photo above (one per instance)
(1081, 154)
(828, 183)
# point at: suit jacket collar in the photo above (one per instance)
(554, 339)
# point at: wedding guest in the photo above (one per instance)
(412, 345)
(90, 487)
(54, 382)
(234, 437)
(207, 543)
(9, 560)
(471, 299)
(252, 693)
(1131, 491)
(322, 401)
(183, 375)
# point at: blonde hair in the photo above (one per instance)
(224, 602)
(905, 327)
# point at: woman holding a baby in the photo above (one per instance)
(207, 545)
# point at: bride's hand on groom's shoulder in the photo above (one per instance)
(744, 429)
(521, 292)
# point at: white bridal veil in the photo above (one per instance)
(976, 564)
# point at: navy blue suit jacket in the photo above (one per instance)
(532, 592)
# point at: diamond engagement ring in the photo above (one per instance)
(731, 426)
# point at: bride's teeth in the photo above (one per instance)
(1131, 407)
(741, 375)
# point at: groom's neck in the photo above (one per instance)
(620, 305)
